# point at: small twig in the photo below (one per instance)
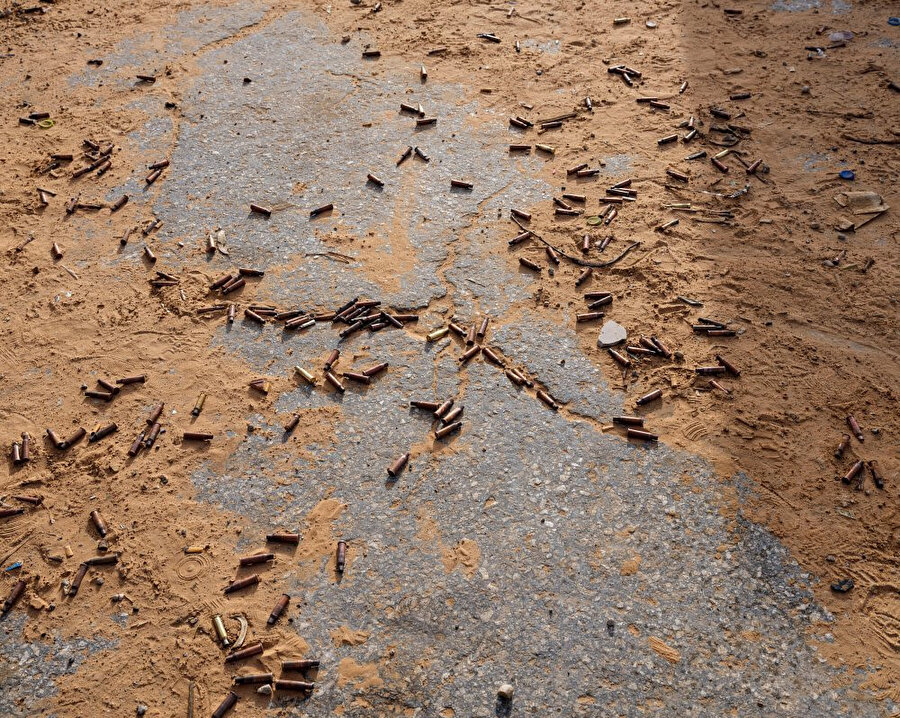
(871, 140)
(577, 260)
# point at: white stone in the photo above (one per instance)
(611, 333)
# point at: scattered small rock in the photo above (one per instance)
(505, 692)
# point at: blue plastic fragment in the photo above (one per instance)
(894, 21)
(13, 567)
(847, 174)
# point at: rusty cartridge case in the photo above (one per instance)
(9, 513)
(664, 350)
(514, 377)
(138, 444)
(452, 415)
(340, 561)
(547, 399)
(395, 468)
(521, 214)
(641, 434)
(285, 685)
(719, 165)
(731, 368)
(519, 238)
(551, 254)
(854, 470)
(648, 397)
(256, 558)
(292, 424)
(854, 427)
(588, 316)
(469, 353)
(153, 435)
(321, 210)
(102, 432)
(278, 610)
(33, 500)
(260, 209)
(79, 577)
(54, 439)
(197, 436)
(519, 148)
(585, 273)
(877, 476)
(155, 413)
(99, 523)
(470, 335)
(426, 405)
(721, 333)
(675, 174)
(334, 381)
(710, 370)
(667, 139)
(629, 420)
(289, 538)
(18, 590)
(300, 665)
(136, 379)
(250, 580)
(357, 377)
(842, 447)
(221, 282)
(16, 452)
(105, 560)
(376, 369)
(443, 408)
(620, 358)
(96, 394)
(332, 358)
(253, 316)
(447, 430)
(253, 679)
(233, 286)
(491, 356)
(226, 705)
(375, 180)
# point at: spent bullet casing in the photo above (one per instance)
(395, 468)
(198, 405)
(452, 415)
(527, 263)
(279, 609)
(288, 538)
(854, 470)
(547, 399)
(197, 436)
(341, 556)
(285, 685)
(447, 430)
(334, 381)
(105, 560)
(620, 358)
(710, 370)
(629, 420)
(99, 523)
(18, 590)
(357, 377)
(650, 396)
(842, 447)
(583, 276)
(376, 369)
(226, 705)
(491, 356)
(292, 424)
(138, 444)
(469, 353)
(79, 577)
(155, 430)
(254, 679)
(307, 376)
(256, 558)
(877, 476)
(221, 633)
(437, 334)
(731, 368)
(300, 665)
(642, 435)
(426, 405)
(251, 580)
(8, 513)
(443, 408)
(854, 427)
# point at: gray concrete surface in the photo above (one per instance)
(555, 506)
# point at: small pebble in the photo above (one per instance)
(505, 692)
(265, 690)
(804, 90)
(141, 709)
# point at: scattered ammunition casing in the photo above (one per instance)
(369, 53)
(197, 436)
(586, 243)
(470, 335)
(667, 139)
(588, 172)
(12, 599)
(719, 165)
(96, 394)
(352, 328)
(697, 155)
(393, 320)
(461, 184)
(426, 405)
(527, 122)
(406, 153)
(620, 358)
(721, 333)
(688, 137)
(520, 238)
(751, 169)
(334, 381)
(842, 447)
(854, 470)
(375, 180)
(547, 399)
(585, 273)
(716, 385)
(662, 347)
(444, 408)
(650, 396)
(723, 153)
(259, 209)
(105, 560)
(57, 252)
(138, 444)
(198, 406)
(233, 285)
(278, 610)
(54, 439)
(710, 370)
(221, 633)
(524, 216)
(357, 377)
(254, 679)
(137, 379)
(155, 413)
(16, 453)
(308, 377)
(256, 558)
(577, 168)
(629, 420)
(684, 86)
(395, 468)
(300, 665)
(649, 344)
(656, 104)
(153, 176)
(452, 415)
(447, 430)
(437, 334)
(79, 577)
(155, 428)
(588, 104)
(226, 705)
(711, 322)
(254, 316)
(720, 113)
(285, 685)
(292, 314)
(516, 122)
(7, 513)
(26, 446)
(546, 148)
(341, 556)
(376, 369)
(109, 386)
(877, 476)
(551, 254)
(423, 73)
(677, 175)
(574, 197)
(854, 427)
(148, 253)
(232, 310)
(603, 301)
(425, 121)
(288, 538)
(73, 439)
(514, 377)
(520, 148)
(491, 356)
(300, 323)
(620, 192)
(421, 154)
(324, 317)
(469, 353)
(221, 282)
(102, 432)
(292, 424)
(588, 316)
(739, 96)
(621, 20)
(642, 435)
(250, 580)
(552, 125)
(456, 329)
(527, 263)
(732, 369)
(404, 107)
(99, 523)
